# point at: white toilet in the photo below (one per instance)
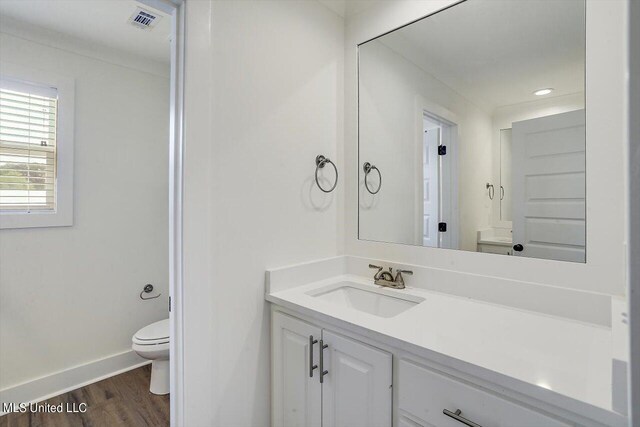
(152, 342)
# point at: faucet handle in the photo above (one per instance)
(377, 275)
(399, 275)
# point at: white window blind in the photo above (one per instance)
(28, 116)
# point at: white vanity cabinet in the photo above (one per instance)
(356, 387)
(296, 397)
(495, 249)
(357, 391)
(423, 395)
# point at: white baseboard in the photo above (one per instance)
(70, 379)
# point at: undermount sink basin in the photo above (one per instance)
(377, 301)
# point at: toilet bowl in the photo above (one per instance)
(152, 343)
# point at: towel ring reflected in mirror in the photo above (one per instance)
(367, 168)
(321, 161)
(491, 191)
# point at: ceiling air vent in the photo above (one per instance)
(143, 18)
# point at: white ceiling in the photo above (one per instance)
(494, 52)
(497, 52)
(347, 8)
(101, 22)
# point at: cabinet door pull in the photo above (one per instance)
(456, 416)
(323, 372)
(311, 365)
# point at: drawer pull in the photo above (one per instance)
(456, 416)
(311, 365)
(323, 371)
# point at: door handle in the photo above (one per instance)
(311, 365)
(323, 372)
(456, 416)
(518, 247)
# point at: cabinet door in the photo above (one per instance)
(357, 390)
(297, 398)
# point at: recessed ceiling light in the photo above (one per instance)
(545, 91)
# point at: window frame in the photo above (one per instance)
(62, 215)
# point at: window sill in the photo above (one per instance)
(12, 220)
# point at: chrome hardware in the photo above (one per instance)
(320, 162)
(385, 278)
(385, 275)
(491, 190)
(368, 167)
(399, 280)
(501, 192)
(311, 365)
(323, 372)
(456, 416)
(378, 272)
(148, 288)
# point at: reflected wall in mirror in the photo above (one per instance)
(474, 118)
(505, 174)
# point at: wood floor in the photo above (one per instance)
(123, 400)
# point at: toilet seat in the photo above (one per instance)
(154, 334)
(149, 342)
(152, 343)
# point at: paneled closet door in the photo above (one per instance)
(548, 169)
(357, 389)
(297, 397)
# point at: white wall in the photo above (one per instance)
(604, 271)
(391, 89)
(69, 295)
(264, 96)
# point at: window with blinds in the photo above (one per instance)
(27, 147)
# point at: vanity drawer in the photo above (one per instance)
(494, 249)
(424, 393)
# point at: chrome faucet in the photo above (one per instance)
(385, 278)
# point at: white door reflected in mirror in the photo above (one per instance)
(548, 156)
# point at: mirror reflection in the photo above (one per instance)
(472, 130)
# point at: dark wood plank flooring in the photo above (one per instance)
(123, 400)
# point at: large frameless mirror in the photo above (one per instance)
(472, 130)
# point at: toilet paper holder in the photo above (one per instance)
(148, 288)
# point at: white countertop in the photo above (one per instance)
(498, 241)
(568, 357)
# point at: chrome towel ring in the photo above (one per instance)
(368, 167)
(491, 191)
(321, 161)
